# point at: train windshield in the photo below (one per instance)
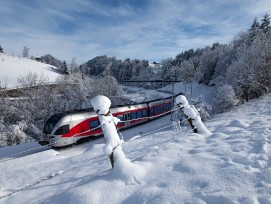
(51, 122)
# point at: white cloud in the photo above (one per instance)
(161, 29)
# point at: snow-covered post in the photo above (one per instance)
(192, 115)
(101, 105)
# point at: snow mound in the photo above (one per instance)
(238, 123)
(12, 68)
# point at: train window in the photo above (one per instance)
(94, 124)
(133, 115)
(62, 130)
(156, 110)
(120, 117)
(139, 114)
(144, 113)
(51, 123)
(152, 111)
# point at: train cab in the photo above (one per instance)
(54, 128)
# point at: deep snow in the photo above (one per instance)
(11, 68)
(232, 165)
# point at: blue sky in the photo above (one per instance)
(142, 29)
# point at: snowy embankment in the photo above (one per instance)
(21, 150)
(11, 68)
(232, 165)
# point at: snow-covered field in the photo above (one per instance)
(232, 165)
(11, 68)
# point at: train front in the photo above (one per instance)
(54, 129)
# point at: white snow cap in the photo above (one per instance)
(181, 99)
(101, 103)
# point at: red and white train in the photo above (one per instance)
(70, 127)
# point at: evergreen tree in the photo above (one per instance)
(65, 68)
(1, 49)
(49, 59)
(207, 65)
(265, 24)
(254, 29)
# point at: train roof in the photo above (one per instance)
(88, 110)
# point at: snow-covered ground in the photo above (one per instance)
(194, 90)
(232, 165)
(11, 68)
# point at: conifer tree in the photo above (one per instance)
(254, 29)
(265, 24)
(65, 68)
(1, 49)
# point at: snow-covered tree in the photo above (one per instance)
(73, 66)
(32, 79)
(109, 86)
(169, 69)
(65, 68)
(254, 29)
(223, 98)
(16, 134)
(25, 52)
(240, 40)
(265, 23)
(3, 133)
(49, 59)
(187, 70)
(39, 102)
(226, 55)
(206, 69)
(250, 73)
(205, 109)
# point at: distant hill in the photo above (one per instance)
(13, 67)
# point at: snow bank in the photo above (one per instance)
(11, 68)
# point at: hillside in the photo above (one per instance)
(13, 67)
(232, 165)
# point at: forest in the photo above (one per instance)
(239, 71)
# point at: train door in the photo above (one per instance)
(126, 117)
(72, 123)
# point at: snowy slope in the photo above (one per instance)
(232, 165)
(13, 67)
